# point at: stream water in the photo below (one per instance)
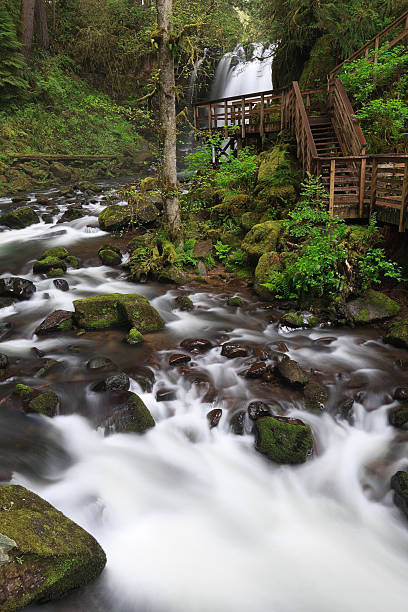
(193, 519)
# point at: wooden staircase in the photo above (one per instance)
(324, 136)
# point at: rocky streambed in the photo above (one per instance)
(217, 455)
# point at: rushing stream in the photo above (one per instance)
(193, 519)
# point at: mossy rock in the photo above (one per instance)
(23, 391)
(235, 302)
(150, 183)
(398, 417)
(262, 238)
(72, 261)
(134, 337)
(118, 217)
(71, 214)
(55, 273)
(46, 403)
(283, 441)
(134, 418)
(316, 397)
(232, 238)
(372, 306)
(49, 263)
(57, 321)
(399, 482)
(298, 320)
(58, 252)
(116, 310)
(397, 334)
(60, 171)
(268, 262)
(19, 218)
(52, 556)
(249, 219)
(182, 302)
(109, 257)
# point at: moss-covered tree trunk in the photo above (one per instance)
(42, 24)
(28, 26)
(168, 135)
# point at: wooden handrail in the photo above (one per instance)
(371, 42)
(305, 121)
(349, 131)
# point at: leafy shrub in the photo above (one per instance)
(12, 81)
(221, 250)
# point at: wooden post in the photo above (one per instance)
(367, 52)
(225, 119)
(376, 47)
(373, 185)
(332, 181)
(262, 117)
(404, 200)
(318, 168)
(307, 101)
(210, 118)
(362, 185)
(243, 133)
(216, 116)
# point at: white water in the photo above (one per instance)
(194, 520)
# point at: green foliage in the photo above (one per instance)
(374, 265)
(221, 250)
(12, 66)
(238, 172)
(185, 253)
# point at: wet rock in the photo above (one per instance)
(52, 555)
(398, 417)
(58, 252)
(283, 440)
(166, 395)
(117, 217)
(325, 341)
(397, 334)
(43, 266)
(236, 302)
(61, 284)
(36, 351)
(256, 370)
(110, 255)
(316, 397)
(196, 345)
(257, 410)
(233, 350)
(57, 321)
(261, 354)
(19, 218)
(48, 218)
(5, 302)
(47, 366)
(268, 263)
(214, 417)
(372, 306)
(280, 347)
(182, 302)
(98, 363)
(117, 382)
(298, 320)
(71, 214)
(178, 359)
(16, 288)
(115, 310)
(46, 403)
(237, 423)
(144, 377)
(401, 394)
(291, 372)
(135, 417)
(72, 261)
(4, 361)
(399, 482)
(345, 409)
(134, 337)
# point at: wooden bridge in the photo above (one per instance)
(330, 142)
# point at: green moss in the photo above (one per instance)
(397, 334)
(268, 262)
(59, 252)
(72, 261)
(316, 397)
(19, 218)
(249, 219)
(46, 403)
(262, 238)
(55, 554)
(372, 306)
(134, 337)
(55, 273)
(48, 263)
(236, 302)
(283, 442)
(23, 391)
(398, 417)
(141, 419)
(322, 59)
(184, 303)
(110, 257)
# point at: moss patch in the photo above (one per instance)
(46, 403)
(397, 334)
(17, 219)
(262, 238)
(372, 306)
(134, 337)
(283, 442)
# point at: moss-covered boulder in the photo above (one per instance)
(117, 217)
(19, 218)
(52, 554)
(283, 440)
(397, 334)
(182, 302)
(49, 263)
(268, 262)
(117, 310)
(134, 337)
(316, 397)
(262, 238)
(57, 321)
(249, 219)
(372, 306)
(298, 320)
(135, 417)
(110, 255)
(55, 273)
(235, 302)
(59, 252)
(399, 482)
(45, 403)
(398, 417)
(72, 261)
(291, 372)
(71, 214)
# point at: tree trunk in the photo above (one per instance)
(41, 17)
(167, 128)
(28, 27)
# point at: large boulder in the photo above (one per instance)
(57, 321)
(399, 482)
(291, 372)
(118, 216)
(283, 440)
(49, 263)
(15, 287)
(262, 238)
(47, 554)
(117, 310)
(19, 218)
(397, 334)
(372, 306)
(268, 262)
(135, 417)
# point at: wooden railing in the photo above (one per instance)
(398, 29)
(300, 126)
(348, 130)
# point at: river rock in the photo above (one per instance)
(166, 395)
(4, 361)
(42, 266)
(372, 306)
(135, 417)
(98, 363)
(196, 345)
(291, 372)
(401, 394)
(134, 337)
(144, 377)
(117, 217)
(258, 409)
(19, 218)
(71, 214)
(345, 409)
(5, 302)
(237, 423)
(46, 403)
(61, 284)
(316, 397)
(57, 321)
(283, 440)
(115, 310)
(397, 334)
(182, 302)
(117, 382)
(17, 288)
(262, 238)
(110, 255)
(178, 359)
(399, 482)
(298, 320)
(214, 417)
(398, 417)
(202, 249)
(235, 302)
(257, 370)
(52, 554)
(233, 350)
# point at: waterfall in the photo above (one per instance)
(247, 69)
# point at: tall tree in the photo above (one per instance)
(42, 24)
(168, 127)
(28, 26)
